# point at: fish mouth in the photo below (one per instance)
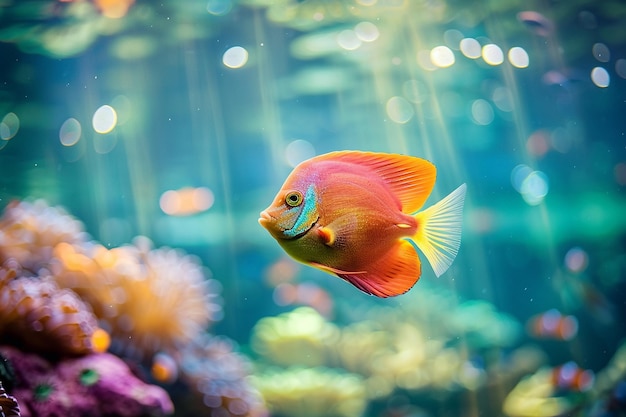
(265, 219)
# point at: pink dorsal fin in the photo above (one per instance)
(410, 178)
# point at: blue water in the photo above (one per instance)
(541, 144)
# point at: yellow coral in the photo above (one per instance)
(301, 337)
(313, 392)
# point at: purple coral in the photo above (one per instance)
(90, 386)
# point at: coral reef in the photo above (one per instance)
(219, 380)
(38, 315)
(157, 298)
(313, 392)
(93, 385)
(423, 346)
(301, 336)
(63, 298)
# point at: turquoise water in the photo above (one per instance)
(118, 115)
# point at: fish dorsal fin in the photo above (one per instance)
(410, 178)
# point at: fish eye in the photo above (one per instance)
(293, 198)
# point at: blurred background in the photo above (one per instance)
(178, 121)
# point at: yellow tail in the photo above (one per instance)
(438, 233)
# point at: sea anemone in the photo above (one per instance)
(150, 300)
(30, 231)
(39, 316)
(219, 380)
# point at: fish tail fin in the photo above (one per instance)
(438, 233)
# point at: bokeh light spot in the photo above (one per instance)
(518, 57)
(297, 151)
(600, 77)
(219, 7)
(503, 98)
(492, 54)
(470, 47)
(538, 144)
(442, 56)
(186, 201)
(576, 260)
(399, 109)
(518, 175)
(235, 57)
(113, 9)
(620, 67)
(534, 188)
(9, 126)
(452, 38)
(348, 40)
(70, 132)
(423, 59)
(482, 112)
(366, 31)
(105, 143)
(601, 52)
(104, 119)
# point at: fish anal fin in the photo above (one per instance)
(438, 233)
(410, 179)
(335, 271)
(393, 274)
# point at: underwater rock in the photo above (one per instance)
(39, 316)
(93, 385)
(312, 392)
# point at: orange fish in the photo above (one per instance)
(354, 215)
(553, 325)
(570, 377)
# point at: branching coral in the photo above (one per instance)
(38, 315)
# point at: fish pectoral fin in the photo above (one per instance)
(393, 274)
(327, 235)
(335, 271)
